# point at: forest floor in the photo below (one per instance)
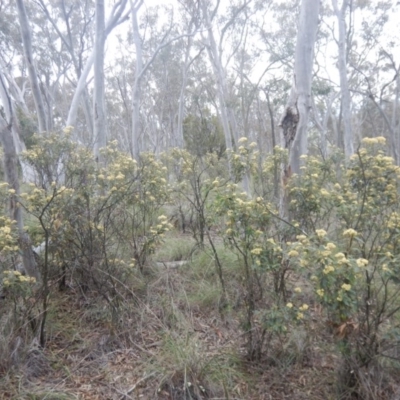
(170, 341)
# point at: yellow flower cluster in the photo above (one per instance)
(257, 251)
(362, 262)
(320, 233)
(350, 233)
(375, 140)
(346, 287)
(13, 277)
(328, 269)
(341, 258)
(304, 307)
(293, 253)
(330, 246)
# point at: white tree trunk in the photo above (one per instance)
(112, 22)
(220, 78)
(99, 114)
(295, 118)
(344, 84)
(28, 174)
(33, 79)
(322, 126)
(179, 140)
(395, 139)
(136, 92)
(80, 87)
(10, 160)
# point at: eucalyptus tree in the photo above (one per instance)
(73, 24)
(10, 162)
(295, 117)
(103, 30)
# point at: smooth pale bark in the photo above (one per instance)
(295, 118)
(10, 161)
(396, 129)
(274, 144)
(99, 114)
(28, 174)
(80, 88)
(33, 79)
(179, 140)
(344, 83)
(136, 92)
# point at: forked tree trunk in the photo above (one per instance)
(115, 19)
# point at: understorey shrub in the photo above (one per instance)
(99, 222)
(350, 250)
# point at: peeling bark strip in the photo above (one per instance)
(289, 124)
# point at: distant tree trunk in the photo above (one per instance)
(391, 128)
(136, 93)
(140, 69)
(33, 79)
(10, 160)
(179, 140)
(274, 144)
(396, 126)
(344, 83)
(80, 88)
(295, 117)
(322, 126)
(220, 78)
(99, 114)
